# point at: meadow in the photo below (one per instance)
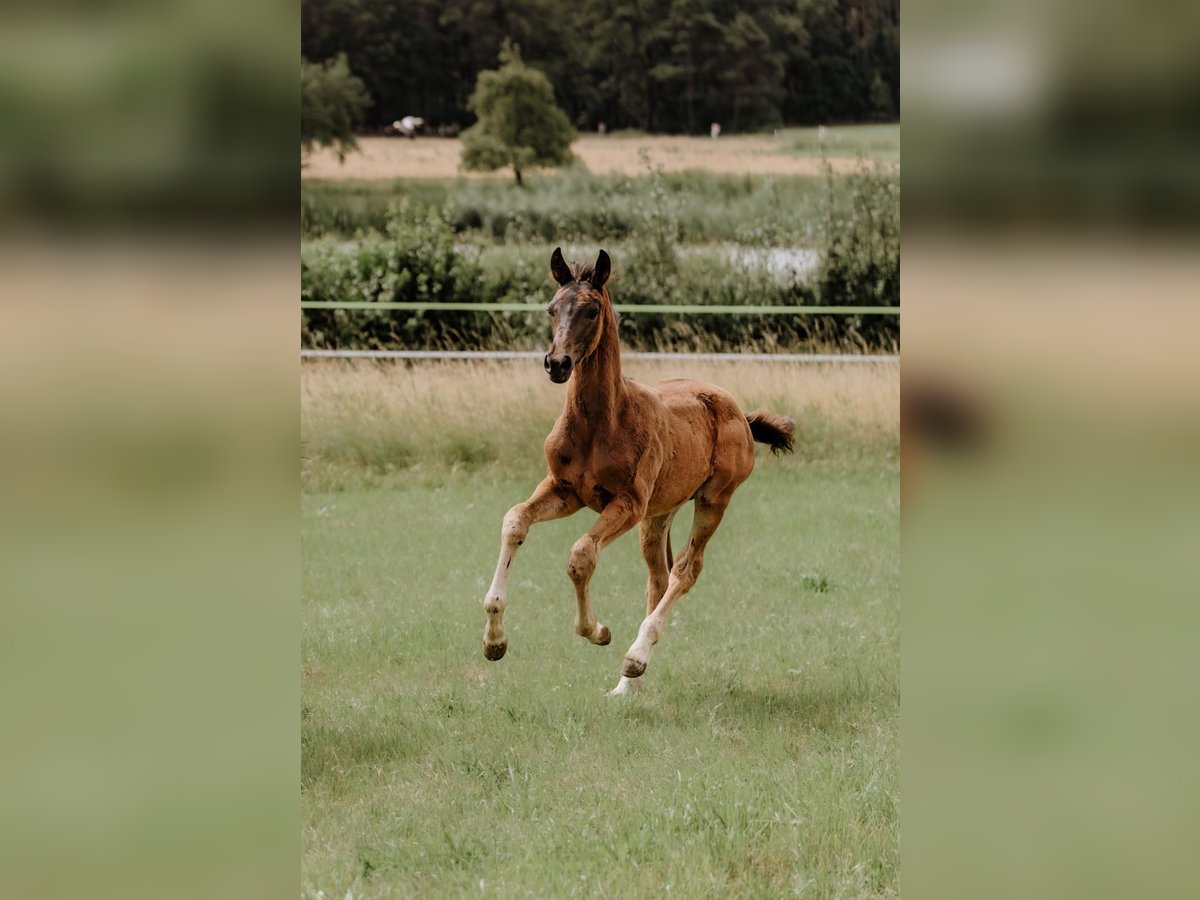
(788, 151)
(761, 759)
(678, 235)
(874, 142)
(703, 206)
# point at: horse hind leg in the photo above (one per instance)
(684, 573)
(734, 454)
(655, 539)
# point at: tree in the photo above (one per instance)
(694, 62)
(519, 124)
(332, 101)
(883, 105)
(753, 74)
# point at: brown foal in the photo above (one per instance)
(632, 453)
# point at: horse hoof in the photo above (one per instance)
(495, 651)
(604, 638)
(632, 668)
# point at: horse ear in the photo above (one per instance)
(602, 271)
(558, 268)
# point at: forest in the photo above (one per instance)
(669, 66)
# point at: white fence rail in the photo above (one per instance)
(534, 354)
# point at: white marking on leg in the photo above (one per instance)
(626, 686)
(494, 602)
(648, 635)
(548, 501)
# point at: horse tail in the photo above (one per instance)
(777, 432)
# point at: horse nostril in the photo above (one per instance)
(566, 363)
(546, 362)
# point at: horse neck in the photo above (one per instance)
(597, 386)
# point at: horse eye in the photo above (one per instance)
(592, 313)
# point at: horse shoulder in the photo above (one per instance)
(618, 463)
(555, 439)
(564, 459)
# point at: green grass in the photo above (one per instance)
(761, 760)
(874, 142)
(578, 206)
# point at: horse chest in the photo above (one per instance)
(594, 483)
(594, 493)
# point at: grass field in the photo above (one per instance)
(760, 760)
(875, 142)
(707, 206)
(789, 152)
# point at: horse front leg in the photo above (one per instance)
(549, 500)
(620, 515)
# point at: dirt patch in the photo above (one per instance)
(383, 157)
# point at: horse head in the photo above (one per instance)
(580, 312)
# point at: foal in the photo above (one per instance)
(632, 453)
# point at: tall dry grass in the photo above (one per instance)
(372, 423)
(430, 157)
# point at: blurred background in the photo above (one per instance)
(147, 496)
(1050, 408)
(148, 280)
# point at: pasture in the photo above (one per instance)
(760, 760)
(873, 142)
(791, 151)
(693, 224)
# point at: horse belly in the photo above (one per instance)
(687, 463)
(670, 497)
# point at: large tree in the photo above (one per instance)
(519, 124)
(332, 102)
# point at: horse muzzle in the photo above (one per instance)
(558, 368)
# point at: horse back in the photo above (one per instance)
(694, 402)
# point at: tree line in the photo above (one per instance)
(658, 65)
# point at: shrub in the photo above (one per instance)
(437, 248)
(415, 260)
(860, 259)
(374, 270)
